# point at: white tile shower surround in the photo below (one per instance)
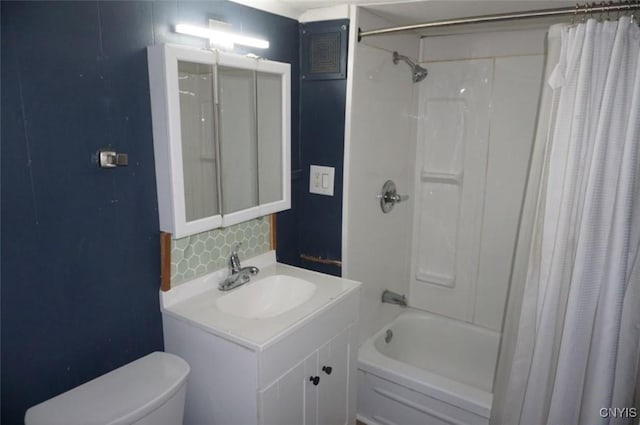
(465, 166)
(483, 45)
(507, 166)
(453, 136)
(380, 146)
(477, 119)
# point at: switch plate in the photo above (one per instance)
(321, 180)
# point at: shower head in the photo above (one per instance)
(418, 72)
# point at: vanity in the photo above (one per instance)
(279, 350)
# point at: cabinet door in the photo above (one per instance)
(282, 403)
(221, 134)
(274, 124)
(311, 389)
(333, 390)
(272, 151)
(238, 143)
(255, 142)
(182, 88)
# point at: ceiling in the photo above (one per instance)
(414, 12)
(407, 12)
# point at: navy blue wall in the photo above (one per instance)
(322, 119)
(322, 134)
(80, 248)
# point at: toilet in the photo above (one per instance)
(147, 391)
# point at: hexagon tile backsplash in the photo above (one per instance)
(207, 252)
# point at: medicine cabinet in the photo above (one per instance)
(221, 137)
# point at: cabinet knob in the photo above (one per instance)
(315, 380)
(327, 369)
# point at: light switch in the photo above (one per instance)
(321, 180)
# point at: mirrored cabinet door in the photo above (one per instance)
(254, 110)
(221, 136)
(182, 83)
(270, 135)
(197, 130)
(238, 139)
(273, 82)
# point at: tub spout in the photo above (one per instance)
(394, 298)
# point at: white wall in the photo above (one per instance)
(379, 145)
(477, 112)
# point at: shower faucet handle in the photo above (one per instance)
(389, 196)
(395, 198)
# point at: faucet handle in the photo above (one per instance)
(234, 261)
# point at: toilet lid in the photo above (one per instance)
(121, 396)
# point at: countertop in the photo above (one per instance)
(195, 302)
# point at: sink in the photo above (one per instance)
(267, 297)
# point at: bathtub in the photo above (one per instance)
(433, 370)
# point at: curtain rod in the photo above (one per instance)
(576, 11)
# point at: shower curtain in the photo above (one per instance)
(571, 338)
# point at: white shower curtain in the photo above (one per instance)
(573, 347)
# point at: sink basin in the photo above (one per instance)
(268, 297)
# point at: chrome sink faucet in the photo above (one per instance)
(238, 275)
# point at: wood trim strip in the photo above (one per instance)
(165, 261)
(314, 259)
(274, 231)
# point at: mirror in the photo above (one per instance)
(269, 87)
(254, 139)
(238, 139)
(221, 135)
(250, 138)
(197, 126)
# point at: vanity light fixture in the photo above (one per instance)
(221, 38)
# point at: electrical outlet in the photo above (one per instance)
(321, 180)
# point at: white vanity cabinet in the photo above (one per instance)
(221, 135)
(315, 391)
(296, 368)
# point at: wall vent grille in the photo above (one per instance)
(324, 50)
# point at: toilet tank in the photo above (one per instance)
(147, 391)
